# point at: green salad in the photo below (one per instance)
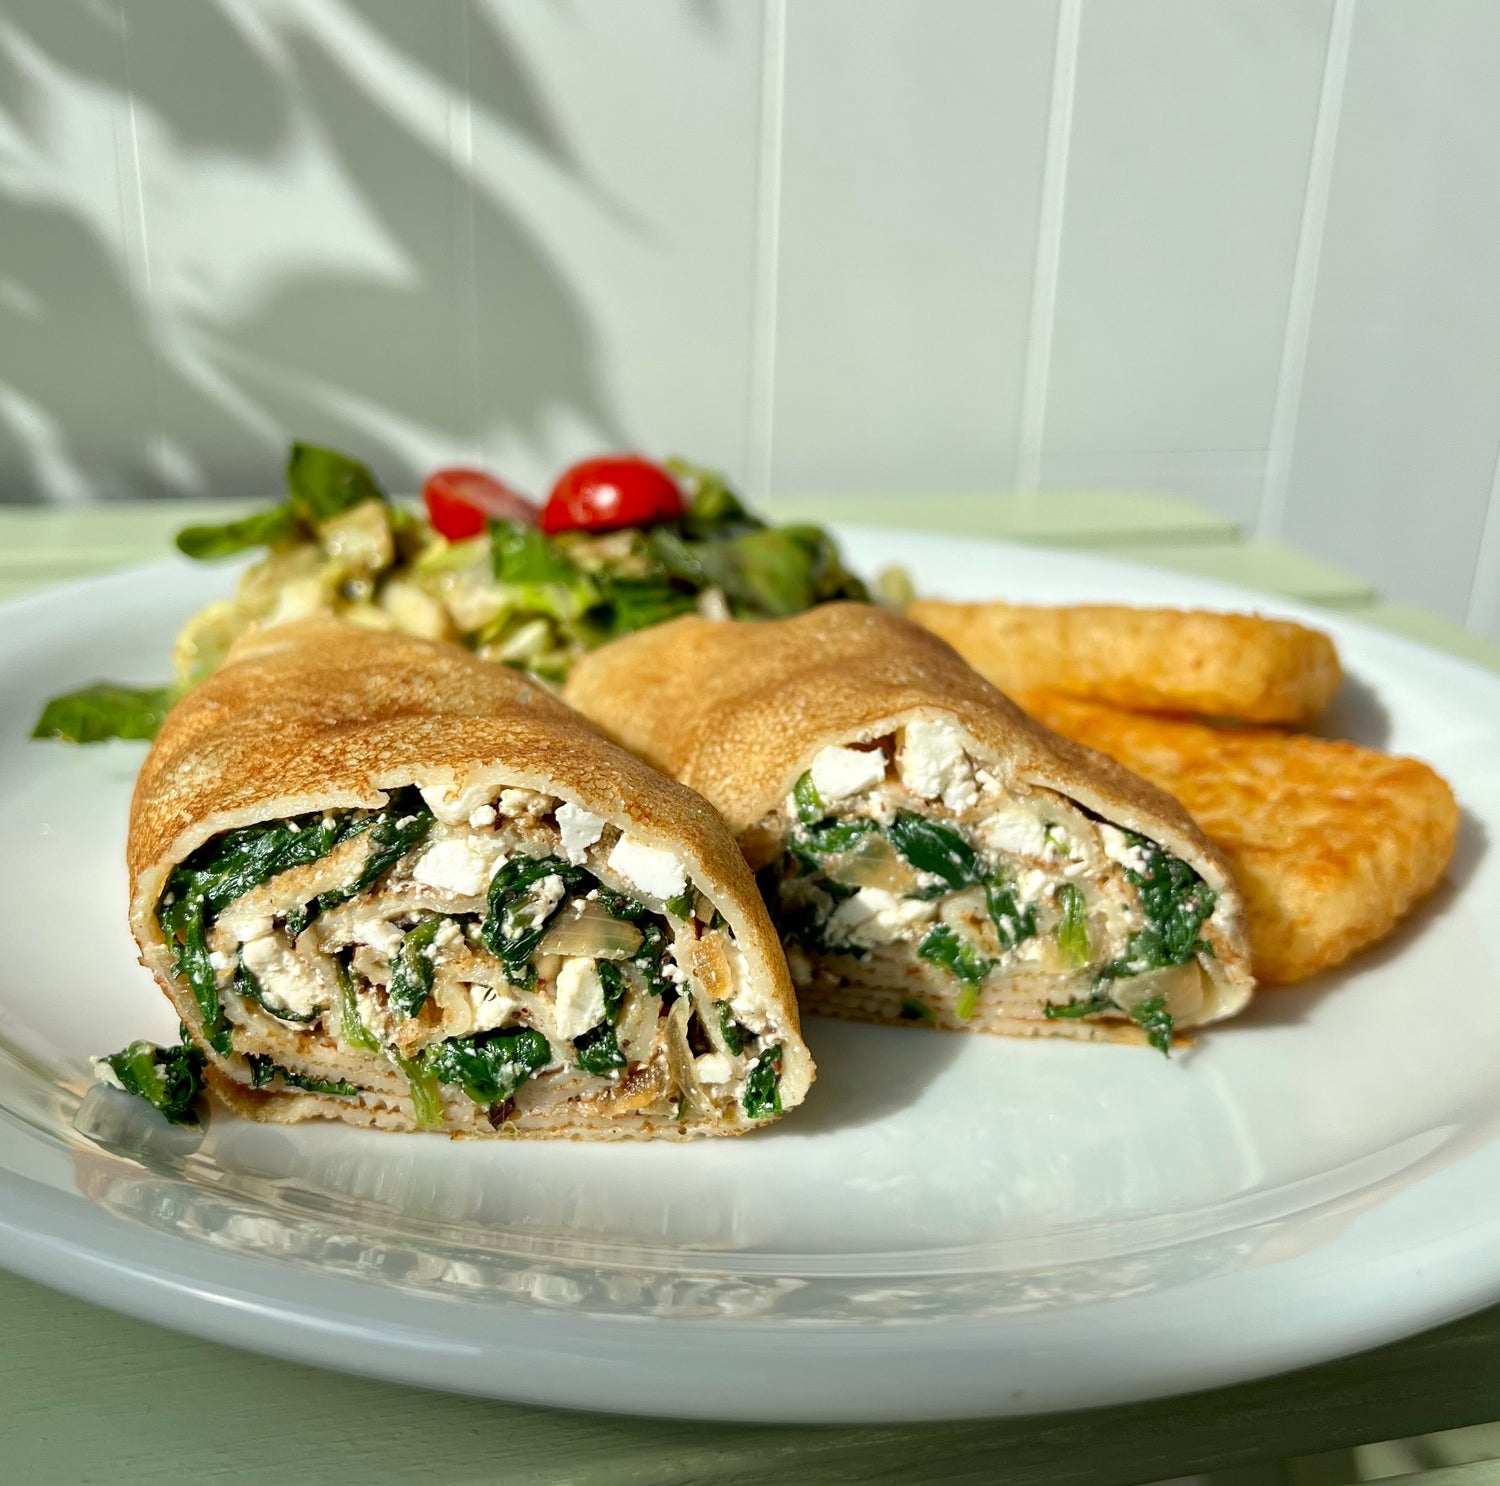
(533, 588)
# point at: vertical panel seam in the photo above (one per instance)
(463, 225)
(1483, 613)
(1302, 295)
(134, 234)
(761, 412)
(1050, 211)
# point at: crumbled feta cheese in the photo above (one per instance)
(1031, 885)
(838, 773)
(452, 805)
(713, 1068)
(491, 1009)
(287, 982)
(379, 933)
(657, 873)
(482, 818)
(750, 1003)
(219, 960)
(874, 916)
(544, 897)
(104, 1073)
(578, 999)
(932, 763)
(447, 936)
(579, 829)
(514, 802)
(1016, 831)
(458, 864)
(246, 929)
(1117, 849)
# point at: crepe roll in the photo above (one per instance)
(928, 853)
(384, 882)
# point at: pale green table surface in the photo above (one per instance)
(86, 1395)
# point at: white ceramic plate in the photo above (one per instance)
(951, 1226)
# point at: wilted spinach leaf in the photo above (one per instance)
(1175, 902)
(762, 1096)
(399, 829)
(520, 910)
(263, 1071)
(490, 1067)
(730, 1030)
(426, 1099)
(598, 1050)
(1073, 925)
(103, 710)
(412, 970)
(936, 847)
(942, 946)
(1152, 1015)
(810, 806)
(1013, 924)
(168, 1078)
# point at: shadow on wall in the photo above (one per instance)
(227, 225)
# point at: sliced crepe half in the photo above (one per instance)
(927, 851)
(384, 882)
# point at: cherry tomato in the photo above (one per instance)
(461, 503)
(618, 490)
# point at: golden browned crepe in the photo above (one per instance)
(388, 883)
(1332, 844)
(929, 853)
(1241, 666)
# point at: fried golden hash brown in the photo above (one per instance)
(1332, 844)
(1239, 666)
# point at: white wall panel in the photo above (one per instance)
(76, 354)
(295, 187)
(422, 229)
(640, 330)
(913, 140)
(1397, 432)
(1185, 184)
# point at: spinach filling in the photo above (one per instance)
(522, 904)
(941, 945)
(598, 1049)
(490, 1067)
(247, 986)
(412, 970)
(934, 848)
(264, 1071)
(762, 1096)
(521, 908)
(224, 869)
(167, 1078)
(1175, 903)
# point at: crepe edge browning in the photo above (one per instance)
(1243, 666)
(710, 703)
(290, 713)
